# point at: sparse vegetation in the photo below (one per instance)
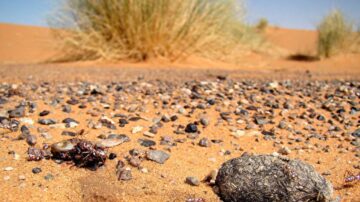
(142, 29)
(262, 24)
(334, 33)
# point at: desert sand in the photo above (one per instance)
(24, 49)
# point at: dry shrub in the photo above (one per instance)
(142, 29)
(335, 35)
(262, 24)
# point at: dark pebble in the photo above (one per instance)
(191, 128)
(44, 113)
(112, 156)
(146, 142)
(36, 170)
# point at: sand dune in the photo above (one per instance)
(25, 44)
(29, 44)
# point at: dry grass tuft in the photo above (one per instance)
(335, 35)
(143, 29)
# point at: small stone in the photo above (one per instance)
(22, 177)
(36, 170)
(17, 112)
(46, 136)
(6, 178)
(135, 161)
(238, 133)
(204, 121)
(66, 108)
(284, 151)
(47, 121)
(69, 133)
(9, 168)
(144, 170)
(136, 129)
(174, 118)
(158, 156)
(44, 113)
(191, 128)
(356, 133)
(125, 175)
(204, 142)
(112, 156)
(31, 140)
(149, 134)
(146, 142)
(27, 121)
(113, 140)
(49, 177)
(123, 122)
(274, 84)
(260, 120)
(193, 181)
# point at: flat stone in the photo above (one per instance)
(17, 112)
(47, 121)
(158, 156)
(193, 181)
(146, 142)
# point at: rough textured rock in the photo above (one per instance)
(268, 178)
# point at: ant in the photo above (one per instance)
(349, 179)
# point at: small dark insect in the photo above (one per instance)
(89, 155)
(83, 153)
(349, 177)
(349, 180)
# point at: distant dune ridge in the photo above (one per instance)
(28, 44)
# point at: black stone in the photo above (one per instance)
(146, 142)
(36, 170)
(191, 128)
(112, 156)
(44, 113)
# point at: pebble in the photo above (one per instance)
(136, 129)
(36, 170)
(27, 121)
(204, 142)
(17, 112)
(112, 156)
(22, 177)
(9, 168)
(44, 113)
(113, 140)
(146, 142)
(149, 134)
(47, 121)
(356, 133)
(125, 175)
(31, 140)
(284, 151)
(193, 181)
(204, 121)
(49, 177)
(158, 156)
(238, 133)
(191, 128)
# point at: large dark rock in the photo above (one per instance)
(269, 178)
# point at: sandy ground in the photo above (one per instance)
(21, 49)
